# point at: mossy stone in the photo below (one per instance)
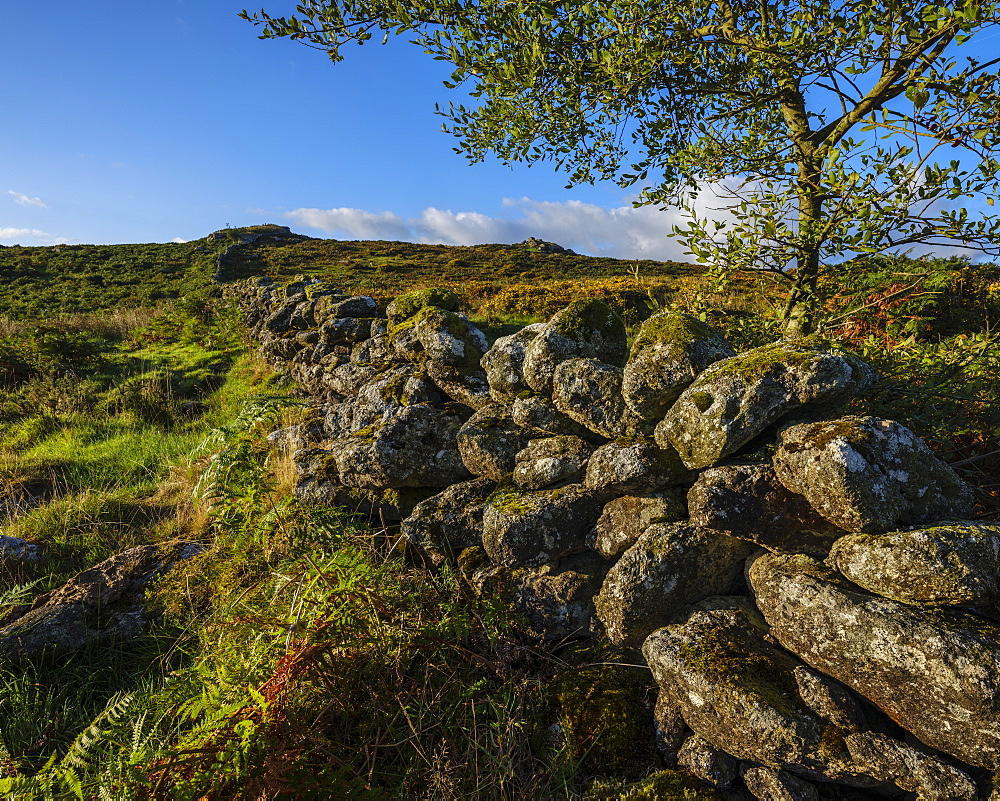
(408, 304)
(588, 320)
(672, 330)
(605, 715)
(735, 400)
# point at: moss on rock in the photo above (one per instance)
(605, 717)
(408, 304)
(588, 319)
(672, 330)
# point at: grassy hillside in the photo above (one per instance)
(82, 278)
(302, 654)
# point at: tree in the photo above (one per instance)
(826, 128)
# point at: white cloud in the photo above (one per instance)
(24, 200)
(29, 236)
(178, 240)
(622, 232)
(357, 223)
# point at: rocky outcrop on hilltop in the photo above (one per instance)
(817, 609)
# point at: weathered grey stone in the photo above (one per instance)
(634, 467)
(345, 380)
(382, 394)
(283, 439)
(15, 549)
(307, 375)
(534, 412)
(708, 763)
(587, 329)
(740, 692)
(950, 564)
(275, 350)
(748, 501)
(830, 699)
(558, 600)
(343, 419)
(551, 460)
(669, 566)
(490, 441)
(377, 350)
(670, 350)
(736, 399)
(772, 784)
(590, 392)
(669, 728)
(528, 528)
(405, 344)
(467, 388)
(413, 446)
(341, 306)
(278, 320)
(302, 317)
(316, 462)
(504, 364)
(103, 604)
(868, 474)
(345, 330)
(929, 777)
(936, 675)
(444, 525)
(393, 386)
(388, 387)
(449, 338)
(625, 519)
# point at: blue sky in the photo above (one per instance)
(130, 121)
(145, 122)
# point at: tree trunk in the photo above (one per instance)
(799, 316)
(800, 310)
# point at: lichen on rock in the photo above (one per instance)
(668, 353)
(538, 413)
(740, 693)
(734, 400)
(552, 460)
(504, 364)
(590, 392)
(866, 474)
(490, 441)
(634, 467)
(587, 328)
(950, 564)
(446, 524)
(103, 605)
(625, 519)
(534, 527)
(669, 566)
(748, 501)
(409, 303)
(936, 675)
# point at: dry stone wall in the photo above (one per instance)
(819, 613)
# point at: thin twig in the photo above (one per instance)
(978, 458)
